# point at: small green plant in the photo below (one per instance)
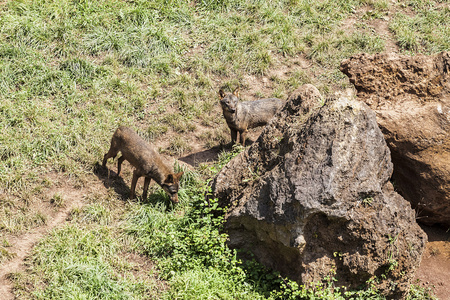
(368, 201)
(392, 263)
(322, 101)
(418, 292)
(254, 175)
(337, 255)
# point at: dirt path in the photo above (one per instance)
(22, 245)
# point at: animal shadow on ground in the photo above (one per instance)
(247, 142)
(110, 179)
(197, 158)
(209, 155)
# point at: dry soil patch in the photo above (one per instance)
(434, 270)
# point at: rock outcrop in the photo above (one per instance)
(312, 197)
(411, 99)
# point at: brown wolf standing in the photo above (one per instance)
(146, 161)
(241, 116)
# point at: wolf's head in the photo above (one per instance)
(171, 185)
(229, 101)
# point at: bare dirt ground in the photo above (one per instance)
(434, 270)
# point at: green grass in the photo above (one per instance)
(427, 30)
(72, 71)
(79, 264)
(87, 259)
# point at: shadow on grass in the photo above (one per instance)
(210, 155)
(197, 158)
(110, 179)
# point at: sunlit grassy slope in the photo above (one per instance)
(72, 71)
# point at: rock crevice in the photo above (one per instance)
(411, 99)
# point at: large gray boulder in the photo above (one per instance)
(411, 98)
(313, 195)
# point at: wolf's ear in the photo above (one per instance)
(221, 93)
(169, 179)
(236, 92)
(178, 175)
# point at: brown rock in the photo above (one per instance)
(411, 98)
(308, 95)
(313, 195)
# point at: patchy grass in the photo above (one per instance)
(90, 257)
(426, 29)
(80, 263)
(72, 71)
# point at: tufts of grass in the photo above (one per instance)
(16, 218)
(57, 200)
(333, 49)
(211, 283)
(5, 255)
(78, 263)
(94, 213)
(156, 130)
(218, 137)
(428, 30)
(178, 146)
(186, 242)
(82, 71)
(378, 9)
